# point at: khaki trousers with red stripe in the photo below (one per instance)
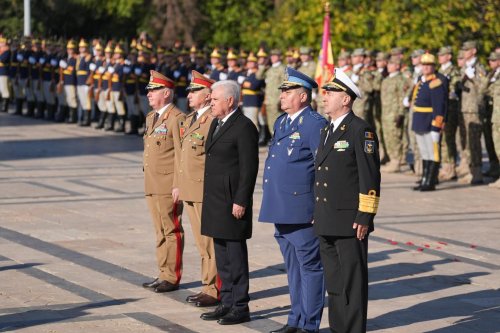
(205, 247)
(169, 236)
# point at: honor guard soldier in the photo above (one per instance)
(273, 78)
(14, 76)
(473, 76)
(379, 74)
(347, 190)
(288, 199)
(344, 62)
(67, 82)
(233, 70)
(217, 72)
(493, 90)
(83, 80)
(252, 91)
(36, 77)
(23, 75)
(130, 81)
(190, 180)
(430, 97)
(142, 71)
(162, 147)
(49, 64)
(99, 82)
(116, 96)
(449, 152)
(32, 91)
(181, 73)
(307, 64)
(5, 56)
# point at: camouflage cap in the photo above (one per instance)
(417, 53)
(470, 44)
(461, 54)
(344, 54)
(494, 56)
(381, 56)
(397, 50)
(358, 52)
(395, 60)
(304, 50)
(445, 50)
(276, 52)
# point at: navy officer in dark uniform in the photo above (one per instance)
(430, 97)
(347, 190)
(288, 200)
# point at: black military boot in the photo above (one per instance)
(264, 135)
(85, 118)
(121, 124)
(4, 105)
(40, 110)
(111, 122)
(423, 180)
(31, 109)
(51, 110)
(19, 107)
(62, 114)
(134, 125)
(431, 179)
(73, 116)
(102, 119)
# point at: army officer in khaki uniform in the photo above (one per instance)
(162, 145)
(190, 177)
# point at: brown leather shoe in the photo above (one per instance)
(193, 298)
(165, 287)
(206, 300)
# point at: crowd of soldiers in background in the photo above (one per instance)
(81, 81)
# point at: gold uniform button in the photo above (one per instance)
(317, 183)
(319, 168)
(294, 193)
(272, 155)
(278, 143)
(326, 168)
(325, 185)
(265, 181)
(268, 167)
(324, 199)
(317, 198)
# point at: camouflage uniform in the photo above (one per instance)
(274, 76)
(392, 92)
(470, 105)
(494, 91)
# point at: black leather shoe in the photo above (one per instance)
(234, 317)
(152, 284)
(219, 312)
(206, 300)
(286, 329)
(193, 298)
(303, 330)
(165, 287)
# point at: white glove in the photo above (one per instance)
(354, 78)
(63, 64)
(127, 62)
(453, 95)
(435, 136)
(92, 66)
(470, 72)
(111, 69)
(222, 76)
(241, 79)
(406, 102)
(32, 60)
(42, 61)
(177, 74)
(101, 70)
(19, 57)
(126, 69)
(137, 71)
(53, 62)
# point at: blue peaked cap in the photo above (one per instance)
(295, 79)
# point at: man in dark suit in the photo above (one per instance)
(347, 190)
(231, 168)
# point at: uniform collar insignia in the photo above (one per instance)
(343, 127)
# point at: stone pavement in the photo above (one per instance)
(76, 242)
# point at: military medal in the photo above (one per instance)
(341, 145)
(295, 136)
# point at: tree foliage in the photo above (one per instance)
(373, 24)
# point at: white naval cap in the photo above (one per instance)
(341, 82)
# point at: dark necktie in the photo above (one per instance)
(155, 119)
(195, 116)
(288, 123)
(329, 133)
(219, 125)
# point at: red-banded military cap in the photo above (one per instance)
(199, 81)
(158, 81)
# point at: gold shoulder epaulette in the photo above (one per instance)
(435, 83)
(368, 203)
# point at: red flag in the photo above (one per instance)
(325, 64)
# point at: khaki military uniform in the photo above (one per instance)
(162, 145)
(190, 176)
(273, 77)
(392, 92)
(450, 151)
(376, 105)
(472, 99)
(494, 92)
(365, 84)
(308, 68)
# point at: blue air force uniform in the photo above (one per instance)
(288, 202)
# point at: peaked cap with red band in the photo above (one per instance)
(158, 80)
(199, 81)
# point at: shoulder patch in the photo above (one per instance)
(369, 146)
(369, 135)
(435, 83)
(316, 115)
